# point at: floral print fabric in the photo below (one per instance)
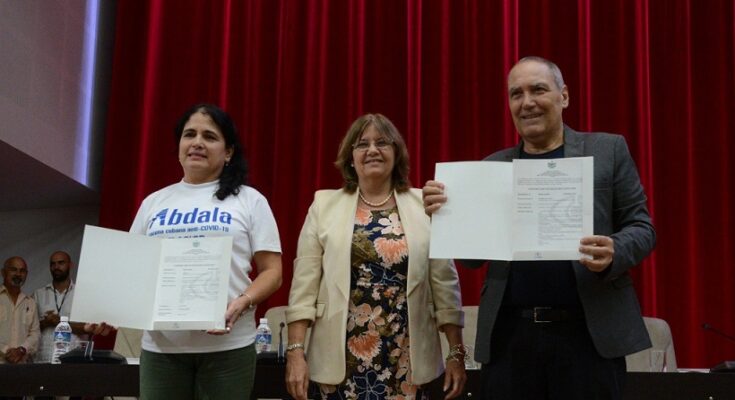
(377, 353)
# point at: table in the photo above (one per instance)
(122, 380)
(644, 386)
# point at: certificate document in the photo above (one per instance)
(524, 210)
(142, 282)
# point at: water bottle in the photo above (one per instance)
(263, 337)
(62, 339)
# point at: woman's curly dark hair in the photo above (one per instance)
(235, 173)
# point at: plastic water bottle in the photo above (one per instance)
(263, 337)
(62, 339)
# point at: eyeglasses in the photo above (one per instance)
(364, 145)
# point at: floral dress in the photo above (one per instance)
(377, 351)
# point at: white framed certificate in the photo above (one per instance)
(525, 210)
(135, 281)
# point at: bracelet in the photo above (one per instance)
(294, 346)
(250, 300)
(458, 353)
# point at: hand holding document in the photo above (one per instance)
(142, 282)
(525, 210)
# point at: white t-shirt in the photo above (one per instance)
(186, 210)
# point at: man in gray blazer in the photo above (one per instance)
(561, 329)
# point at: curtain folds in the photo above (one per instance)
(295, 74)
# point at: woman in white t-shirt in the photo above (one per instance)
(210, 200)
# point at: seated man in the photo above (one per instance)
(19, 330)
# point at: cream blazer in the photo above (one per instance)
(320, 287)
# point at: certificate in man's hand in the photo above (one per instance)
(525, 210)
(142, 282)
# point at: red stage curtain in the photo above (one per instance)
(294, 74)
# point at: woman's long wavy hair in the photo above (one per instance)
(235, 173)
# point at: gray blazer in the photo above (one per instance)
(610, 304)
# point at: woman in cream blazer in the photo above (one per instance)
(374, 162)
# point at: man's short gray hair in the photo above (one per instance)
(555, 71)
